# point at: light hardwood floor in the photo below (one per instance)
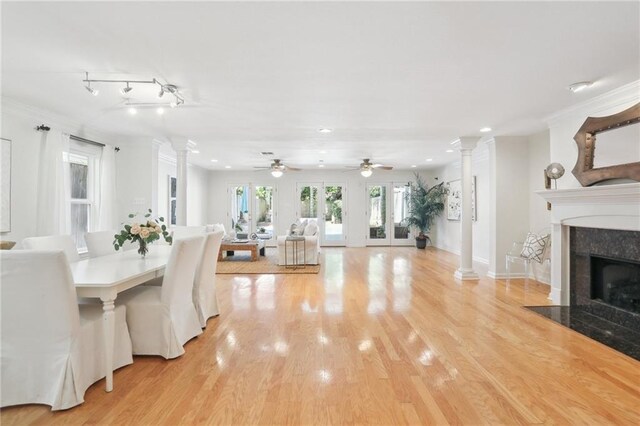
(381, 335)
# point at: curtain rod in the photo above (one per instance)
(79, 139)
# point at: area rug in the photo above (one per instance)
(242, 264)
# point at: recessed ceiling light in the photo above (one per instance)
(485, 129)
(323, 152)
(413, 166)
(213, 160)
(321, 165)
(580, 86)
(429, 159)
(449, 150)
(325, 130)
(195, 151)
(227, 167)
(160, 111)
(132, 111)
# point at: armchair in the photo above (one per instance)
(309, 230)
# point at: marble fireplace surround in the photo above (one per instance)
(605, 207)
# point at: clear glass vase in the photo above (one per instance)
(143, 249)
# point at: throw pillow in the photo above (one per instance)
(534, 247)
(297, 227)
(300, 227)
(311, 229)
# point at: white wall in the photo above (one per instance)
(539, 216)
(564, 125)
(134, 177)
(510, 206)
(18, 122)
(446, 234)
(355, 220)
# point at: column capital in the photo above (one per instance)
(468, 143)
(180, 144)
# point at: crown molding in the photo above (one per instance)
(623, 95)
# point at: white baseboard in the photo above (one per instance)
(519, 275)
(476, 259)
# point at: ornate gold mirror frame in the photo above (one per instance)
(586, 139)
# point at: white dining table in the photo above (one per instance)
(105, 276)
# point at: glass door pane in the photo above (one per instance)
(401, 232)
(377, 204)
(263, 212)
(308, 208)
(333, 232)
(240, 208)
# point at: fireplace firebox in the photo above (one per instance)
(605, 274)
(616, 282)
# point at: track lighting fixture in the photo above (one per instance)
(171, 89)
(126, 90)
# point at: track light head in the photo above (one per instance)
(161, 93)
(94, 92)
(126, 90)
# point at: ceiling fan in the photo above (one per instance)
(366, 167)
(278, 168)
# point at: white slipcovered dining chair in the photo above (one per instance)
(53, 242)
(163, 318)
(100, 243)
(51, 348)
(204, 287)
(180, 232)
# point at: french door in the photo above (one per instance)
(387, 207)
(324, 202)
(252, 210)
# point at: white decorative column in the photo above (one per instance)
(466, 272)
(181, 149)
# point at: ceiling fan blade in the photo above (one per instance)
(293, 169)
(381, 167)
(261, 168)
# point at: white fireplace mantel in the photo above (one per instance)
(605, 206)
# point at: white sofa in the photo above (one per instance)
(311, 246)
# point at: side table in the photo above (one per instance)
(294, 241)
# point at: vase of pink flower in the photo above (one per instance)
(143, 233)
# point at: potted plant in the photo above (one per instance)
(425, 205)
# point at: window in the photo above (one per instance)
(83, 160)
(172, 200)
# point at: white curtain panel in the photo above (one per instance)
(107, 207)
(54, 189)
